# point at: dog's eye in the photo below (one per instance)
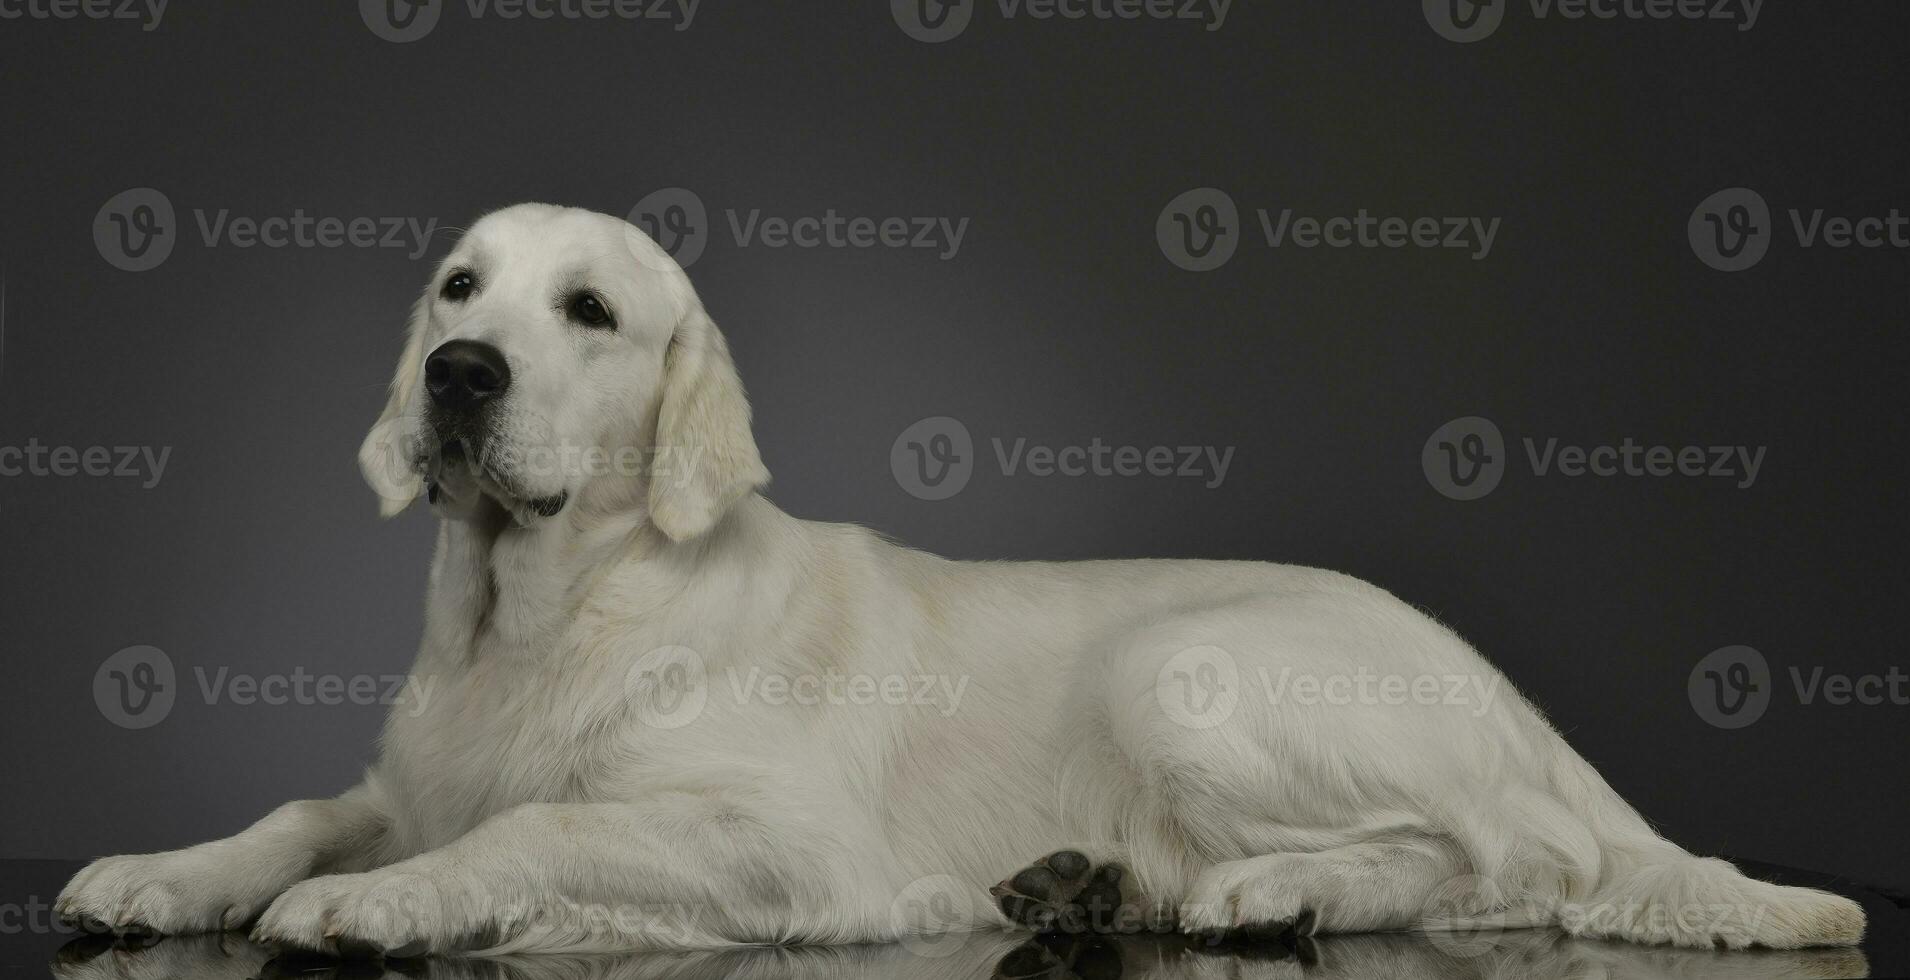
(458, 286)
(587, 308)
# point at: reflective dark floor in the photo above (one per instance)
(32, 946)
(1523, 954)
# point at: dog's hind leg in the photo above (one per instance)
(1260, 739)
(1266, 733)
(1365, 887)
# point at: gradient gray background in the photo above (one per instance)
(1060, 321)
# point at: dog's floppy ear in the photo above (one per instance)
(705, 458)
(387, 456)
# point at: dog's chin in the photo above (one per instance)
(528, 511)
(455, 494)
(484, 504)
(459, 490)
(524, 500)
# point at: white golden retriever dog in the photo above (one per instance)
(665, 714)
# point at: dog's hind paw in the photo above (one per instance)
(1066, 892)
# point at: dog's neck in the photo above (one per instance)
(499, 588)
(497, 585)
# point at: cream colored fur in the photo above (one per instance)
(558, 770)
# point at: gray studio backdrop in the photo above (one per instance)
(1584, 333)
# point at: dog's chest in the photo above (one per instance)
(498, 733)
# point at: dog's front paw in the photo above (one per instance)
(390, 913)
(1265, 899)
(177, 893)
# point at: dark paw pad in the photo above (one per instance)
(1066, 892)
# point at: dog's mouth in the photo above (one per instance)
(459, 476)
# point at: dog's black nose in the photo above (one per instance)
(464, 373)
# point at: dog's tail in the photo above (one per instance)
(1571, 852)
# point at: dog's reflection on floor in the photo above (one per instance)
(979, 956)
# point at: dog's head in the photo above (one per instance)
(560, 354)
